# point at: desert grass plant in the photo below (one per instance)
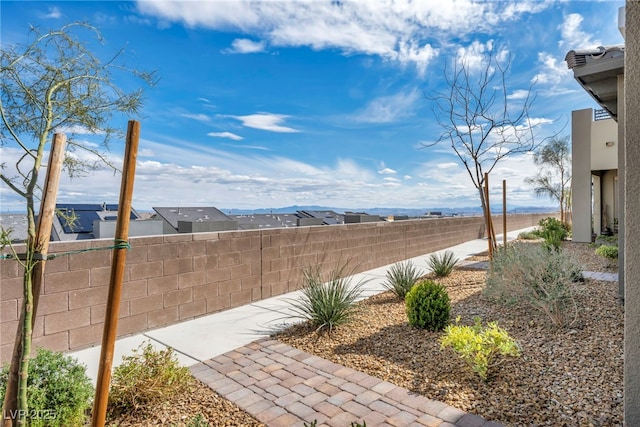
(482, 348)
(442, 264)
(428, 306)
(401, 277)
(58, 389)
(530, 235)
(147, 377)
(328, 300)
(530, 273)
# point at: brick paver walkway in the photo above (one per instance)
(283, 386)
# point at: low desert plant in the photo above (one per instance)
(401, 277)
(529, 273)
(442, 264)
(608, 252)
(530, 235)
(481, 347)
(553, 231)
(146, 377)
(327, 300)
(428, 306)
(59, 392)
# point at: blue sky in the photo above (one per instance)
(276, 103)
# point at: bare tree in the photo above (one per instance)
(554, 178)
(54, 83)
(480, 120)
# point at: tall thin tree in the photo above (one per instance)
(480, 119)
(54, 83)
(554, 177)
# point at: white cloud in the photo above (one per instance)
(573, 37)
(265, 121)
(387, 109)
(518, 94)
(401, 30)
(554, 70)
(198, 117)
(407, 177)
(54, 13)
(387, 171)
(448, 165)
(246, 46)
(226, 135)
(78, 130)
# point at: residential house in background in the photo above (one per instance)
(194, 220)
(80, 221)
(261, 221)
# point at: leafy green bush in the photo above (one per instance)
(480, 346)
(428, 306)
(608, 252)
(553, 231)
(59, 393)
(327, 301)
(401, 278)
(443, 264)
(148, 376)
(529, 273)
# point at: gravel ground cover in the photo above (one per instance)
(566, 377)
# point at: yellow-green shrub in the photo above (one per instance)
(480, 347)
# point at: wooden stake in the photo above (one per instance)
(43, 236)
(504, 212)
(488, 214)
(117, 274)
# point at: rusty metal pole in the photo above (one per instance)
(43, 236)
(117, 274)
(504, 211)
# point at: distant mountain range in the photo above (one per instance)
(412, 212)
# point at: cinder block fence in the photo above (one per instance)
(172, 278)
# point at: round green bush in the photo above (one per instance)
(428, 306)
(59, 392)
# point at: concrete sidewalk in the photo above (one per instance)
(206, 337)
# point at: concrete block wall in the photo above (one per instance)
(172, 278)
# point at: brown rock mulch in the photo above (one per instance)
(565, 377)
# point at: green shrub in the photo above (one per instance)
(608, 252)
(553, 231)
(149, 376)
(529, 273)
(480, 346)
(401, 278)
(327, 301)
(428, 306)
(59, 393)
(442, 264)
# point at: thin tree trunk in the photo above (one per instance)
(38, 243)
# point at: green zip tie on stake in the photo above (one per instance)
(119, 244)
